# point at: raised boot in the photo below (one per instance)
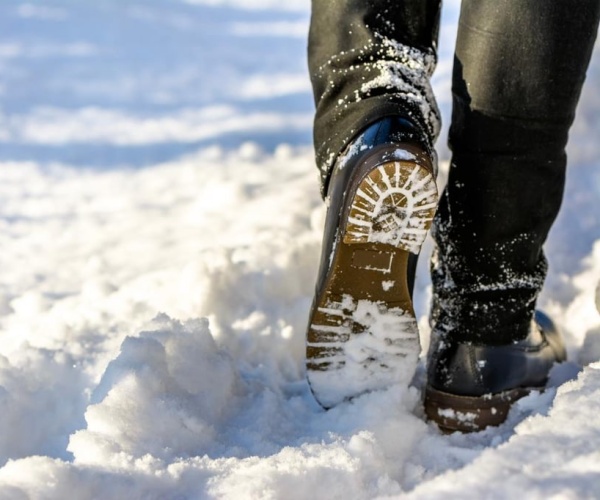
(362, 332)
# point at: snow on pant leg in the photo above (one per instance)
(369, 59)
(518, 71)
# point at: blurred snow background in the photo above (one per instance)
(160, 225)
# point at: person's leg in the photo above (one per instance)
(518, 72)
(367, 60)
(375, 125)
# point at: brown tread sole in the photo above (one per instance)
(363, 332)
(452, 412)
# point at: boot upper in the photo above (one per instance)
(467, 369)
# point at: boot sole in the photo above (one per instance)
(363, 333)
(453, 413)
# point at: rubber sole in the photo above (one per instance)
(363, 333)
(470, 414)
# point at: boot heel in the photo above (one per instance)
(394, 204)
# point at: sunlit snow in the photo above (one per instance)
(160, 226)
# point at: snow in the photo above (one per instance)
(160, 225)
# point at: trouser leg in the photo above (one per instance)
(518, 71)
(369, 59)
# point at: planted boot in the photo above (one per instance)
(362, 332)
(470, 387)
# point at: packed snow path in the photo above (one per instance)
(160, 226)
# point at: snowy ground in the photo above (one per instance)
(156, 170)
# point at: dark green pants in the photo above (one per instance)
(518, 71)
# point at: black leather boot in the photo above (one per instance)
(470, 387)
(362, 332)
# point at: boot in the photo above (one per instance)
(362, 332)
(470, 387)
